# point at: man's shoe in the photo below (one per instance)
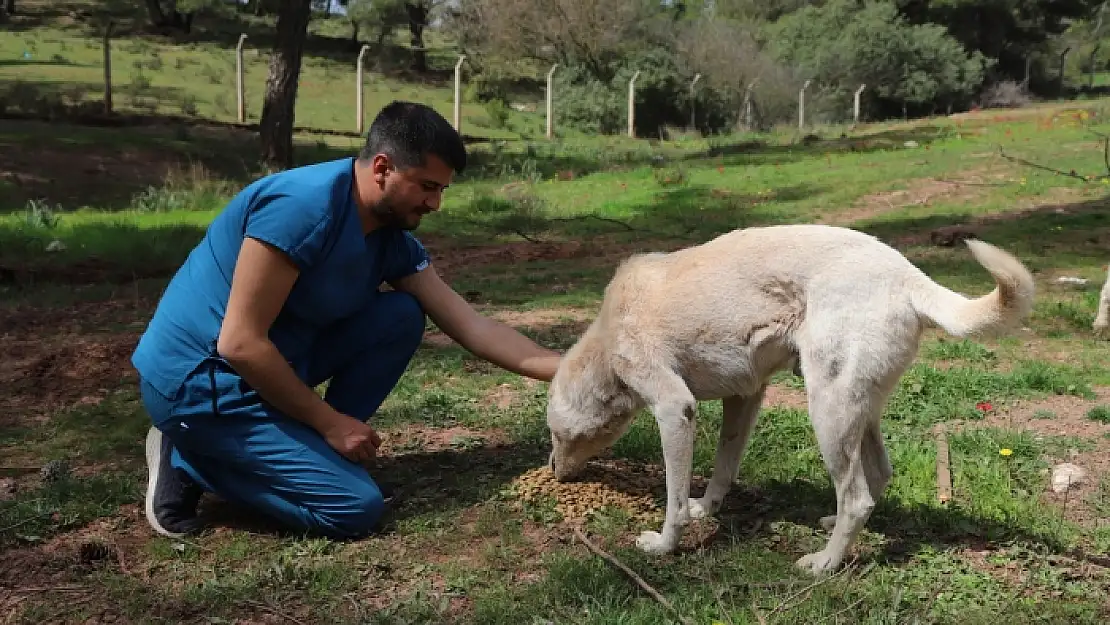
(171, 495)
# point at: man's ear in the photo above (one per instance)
(380, 167)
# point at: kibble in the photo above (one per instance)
(637, 490)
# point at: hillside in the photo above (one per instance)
(55, 59)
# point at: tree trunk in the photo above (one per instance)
(279, 107)
(418, 19)
(157, 15)
(10, 7)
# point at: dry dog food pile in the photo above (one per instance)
(632, 488)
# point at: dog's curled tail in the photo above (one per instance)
(1009, 303)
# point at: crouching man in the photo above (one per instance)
(282, 294)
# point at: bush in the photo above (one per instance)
(1005, 94)
(845, 43)
(662, 98)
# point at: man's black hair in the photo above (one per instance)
(407, 131)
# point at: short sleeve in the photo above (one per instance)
(406, 256)
(287, 224)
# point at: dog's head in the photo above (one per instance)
(588, 408)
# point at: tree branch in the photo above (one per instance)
(632, 574)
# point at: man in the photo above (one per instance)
(282, 294)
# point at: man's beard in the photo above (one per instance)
(387, 213)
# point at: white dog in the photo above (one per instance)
(715, 321)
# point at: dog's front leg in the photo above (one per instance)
(676, 419)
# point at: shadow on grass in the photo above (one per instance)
(1043, 237)
(107, 169)
(430, 485)
(748, 510)
(423, 483)
(568, 160)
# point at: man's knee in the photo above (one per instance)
(357, 515)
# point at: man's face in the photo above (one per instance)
(410, 193)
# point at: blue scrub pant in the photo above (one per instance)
(239, 447)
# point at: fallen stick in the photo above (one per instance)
(632, 574)
(824, 579)
(944, 471)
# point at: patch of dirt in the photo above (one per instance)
(40, 376)
(786, 397)
(424, 439)
(919, 193)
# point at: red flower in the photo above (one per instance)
(984, 406)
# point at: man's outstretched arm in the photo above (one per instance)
(486, 338)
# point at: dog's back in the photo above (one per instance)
(738, 306)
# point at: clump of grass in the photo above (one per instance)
(1100, 413)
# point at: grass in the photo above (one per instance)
(530, 234)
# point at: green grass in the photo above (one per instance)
(462, 549)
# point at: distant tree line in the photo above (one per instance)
(917, 57)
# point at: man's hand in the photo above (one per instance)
(486, 338)
(355, 440)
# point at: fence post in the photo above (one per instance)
(632, 105)
(458, 91)
(802, 105)
(358, 89)
(747, 106)
(855, 105)
(241, 97)
(550, 111)
(693, 101)
(108, 68)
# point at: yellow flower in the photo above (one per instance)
(1005, 452)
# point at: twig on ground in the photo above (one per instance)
(7, 469)
(1098, 560)
(46, 589)
(631, 574)
(839, 612)
(26, 521)
(610, 220)
(721, 606)
(272, 610)
(944, 472)
(782, 607)
(970, 183)
(1060, 172)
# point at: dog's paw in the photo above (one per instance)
(700, 509)
(827, 523)
(651, 542)
(819, 563)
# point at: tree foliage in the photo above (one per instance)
(846, 43)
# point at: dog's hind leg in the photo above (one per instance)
(738, 421)
(843, 411)
(876, 466)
